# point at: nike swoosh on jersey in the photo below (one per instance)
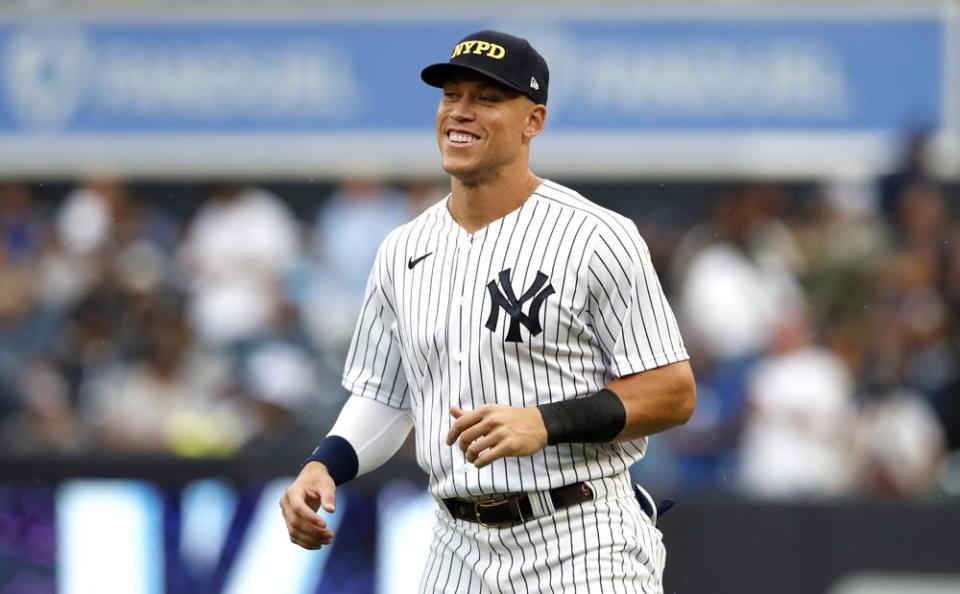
(413, 262)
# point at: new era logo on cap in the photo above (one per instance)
(507, 59)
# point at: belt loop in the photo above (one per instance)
(546, 500)
(541, 503)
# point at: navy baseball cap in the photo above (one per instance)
(509, 60)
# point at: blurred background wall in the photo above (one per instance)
(191, 195)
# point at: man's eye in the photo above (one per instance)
(489, 98)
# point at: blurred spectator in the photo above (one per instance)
(46, 422)
(21, 226)
(173, 397)
(24, 328)
(947, 400)
(901, 444)
(86, 219)
(349, 228)
(950, 282)
(922, 220)
(914, 326)
(704, 451)
(282, 383)
(143, 238)
(83, 243)
(98, 331)
(738, 279)
(844, 244)
(237, 250)
(913, 168)
(293, 396)
(801, 414)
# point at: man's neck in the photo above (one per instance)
(476, 205)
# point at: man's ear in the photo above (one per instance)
(536, 120)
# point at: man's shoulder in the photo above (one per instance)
(604, 219)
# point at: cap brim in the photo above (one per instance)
(437, 74)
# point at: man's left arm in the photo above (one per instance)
(655, 400)
(628, 408)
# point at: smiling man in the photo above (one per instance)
(521, 329)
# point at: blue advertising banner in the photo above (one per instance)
(624, 75)
(778, 90)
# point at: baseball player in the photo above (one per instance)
(521, 329)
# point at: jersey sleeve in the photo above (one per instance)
(631, 318)
(374, 365)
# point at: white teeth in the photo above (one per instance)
(461, 137)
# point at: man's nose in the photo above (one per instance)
(462, 111)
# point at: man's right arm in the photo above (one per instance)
(367, 434)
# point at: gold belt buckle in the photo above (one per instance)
(476, 512)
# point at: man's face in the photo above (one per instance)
(482, 126)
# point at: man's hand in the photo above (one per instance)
(495, 431)
(300, 503)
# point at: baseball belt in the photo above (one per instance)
(516, 509)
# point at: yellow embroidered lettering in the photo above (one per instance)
(479, 47)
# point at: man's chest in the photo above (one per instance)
(488, 294)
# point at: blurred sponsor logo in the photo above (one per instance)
(793, 80)
(45, 71)
(55, 76)
(226, 80)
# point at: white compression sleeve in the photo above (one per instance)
(376, 431)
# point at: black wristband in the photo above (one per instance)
(597, 418)
(338, 455)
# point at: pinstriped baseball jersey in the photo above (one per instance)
(550, 302)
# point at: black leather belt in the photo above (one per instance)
(515, 509)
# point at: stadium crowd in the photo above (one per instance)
(823, 330)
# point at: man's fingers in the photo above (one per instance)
(303, 512)
(481, 444)
(491, 454)
(474, 433)
(465, 421)
(312, 523)
(461, 423)
(309, 545)
(311, 541)
(328, 495)
(311, 534)
(297, 512)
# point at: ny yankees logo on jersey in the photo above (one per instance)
(507, 299)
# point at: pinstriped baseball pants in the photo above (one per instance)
(607, 545)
